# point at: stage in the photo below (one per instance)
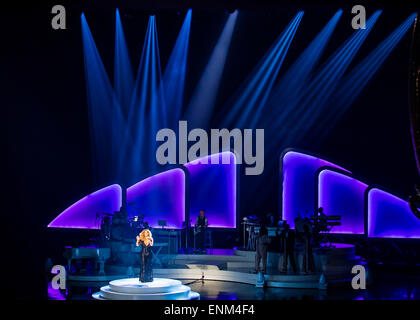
(332, 268)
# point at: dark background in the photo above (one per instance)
(46, 122)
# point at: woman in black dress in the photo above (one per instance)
(146, 241)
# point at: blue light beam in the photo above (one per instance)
(135, 129)
(315, 96)
(202, 102)
(353, 84)
(123, 72)
(105, 118)
(149, 112)
(174, 75)
(258, 85)
(289, 88)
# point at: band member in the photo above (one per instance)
(262, 242)
(288, 239)
(145, 239)
(308, 259)
(200, 228)
(271, 220)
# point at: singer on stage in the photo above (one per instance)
(146, 241)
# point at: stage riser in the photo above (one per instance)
(284, 281)
(133, 289)
(347, 252)
(192, 296)
(160, 286)
(322, 263)
(181, 293)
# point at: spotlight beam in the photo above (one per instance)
(134, 131)
(313, 99)
(310, 105)
(202, 102)
(255, 94)
(152, 114)
(105, 116)
(173, 81)
(123, 72)
(353, 84)
(285, 94)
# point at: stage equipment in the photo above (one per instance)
(169, 236)
(251, 227)
(162, 223)
(248, 224)
(100, 255)
(105, 226)
(319, 225)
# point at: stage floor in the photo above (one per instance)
(383, 288)
(332, 265)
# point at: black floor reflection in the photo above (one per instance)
(382, 289)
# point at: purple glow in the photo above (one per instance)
(339, 194)
(160, 197)
(390, 216)
(298, 194)
(213, 188)
(82, 214)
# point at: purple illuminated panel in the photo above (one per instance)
(390, 216)
(339, 194)
(83, 213)
(160, 197)
(298, 185)
(213, 188)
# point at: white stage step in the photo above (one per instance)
(133, 289)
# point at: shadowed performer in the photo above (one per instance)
(146, 241)
(200, 228)
(308, 259)
(288, 239)
(261, 247)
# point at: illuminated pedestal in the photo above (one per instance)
(133, 289)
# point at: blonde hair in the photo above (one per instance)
(143, 234)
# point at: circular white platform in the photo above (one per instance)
(133, 289)
(133, 285)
